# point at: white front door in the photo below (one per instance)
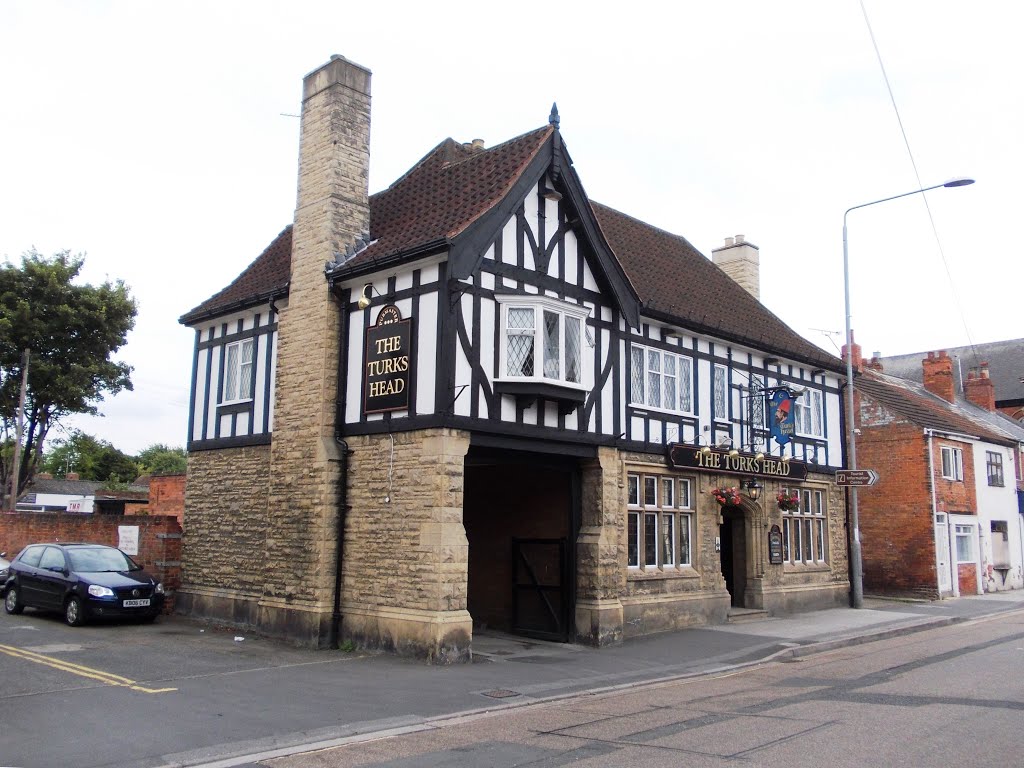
(942, 552)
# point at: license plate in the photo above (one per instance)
(136, 603)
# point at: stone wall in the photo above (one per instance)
(405, 561)
(225, 542)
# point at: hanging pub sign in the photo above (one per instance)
(781, 415)
(387, 370)
(705, 459)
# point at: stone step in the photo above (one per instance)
(739, 615)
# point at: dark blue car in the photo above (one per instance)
(83, 581)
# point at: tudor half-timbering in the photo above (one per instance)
(477, 398)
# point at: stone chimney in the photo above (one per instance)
(938, 375)
(858, 358)
(71, 476)
(42, 476)
(741, 261)
(332, 210)
(979, 388)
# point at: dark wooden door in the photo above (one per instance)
(541, 586)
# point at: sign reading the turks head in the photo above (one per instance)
(387, 370)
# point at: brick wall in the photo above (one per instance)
(159, 539)
(167, 495)
(897, 531)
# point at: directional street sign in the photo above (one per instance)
(858, 477)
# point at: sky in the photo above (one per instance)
(160, 141)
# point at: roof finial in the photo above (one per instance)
(553, 117)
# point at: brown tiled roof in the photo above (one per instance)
(453, 185)
(267, 276)
(676, 280)
(440, 196)
(919, 406)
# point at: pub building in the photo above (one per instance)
(479, 399)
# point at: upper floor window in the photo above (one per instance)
(660, 379)
(721, 401)
(238, 371)
(994, 468)
(808, 414)
(543, 340)
(952, 463)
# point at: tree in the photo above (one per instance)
(91, 458)
(159, 459)
(71, 331)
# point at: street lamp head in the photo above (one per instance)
(958, 182)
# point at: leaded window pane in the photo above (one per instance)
(520, 355)
(668, 495)
(785, 540)
(573, 350)
(805, 535)
(552, 346)
(633, 490)
(650, 491)
(721, 411)
(633, 544)
(654, 378)
(520, 318)
(684, 494)
(684, 540)
(231, 373)
(637, 374)
(650, 538)
(245, 371)
(668, 555)
(685, 385)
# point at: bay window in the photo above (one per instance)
(238, 376)
(543, 340)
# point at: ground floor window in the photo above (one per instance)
(965, 544)
(659, 522)
(805, 527)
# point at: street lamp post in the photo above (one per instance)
(856, 565)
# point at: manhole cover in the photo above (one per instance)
(501, 693)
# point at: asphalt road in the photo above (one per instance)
(179, 693)
(948, 696)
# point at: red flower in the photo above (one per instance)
(726, 496)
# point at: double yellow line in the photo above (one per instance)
(78, 669)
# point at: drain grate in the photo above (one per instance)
(501, 693)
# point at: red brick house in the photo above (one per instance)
(946, 503)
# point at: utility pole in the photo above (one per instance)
(19, 430)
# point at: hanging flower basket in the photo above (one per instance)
(788, 501)
(727, 497)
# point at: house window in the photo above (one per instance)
(661, 380)
(658, 529)
(965, 544)
(238, 371)
(952, 463)
(543, 340)
(808, 414)
(721, 402)
(805, 529)
(994, 468)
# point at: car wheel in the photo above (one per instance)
(12, 603)
(74, 613)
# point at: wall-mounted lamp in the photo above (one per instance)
(366, 296)
(753, 488)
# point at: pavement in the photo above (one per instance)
(511, 671)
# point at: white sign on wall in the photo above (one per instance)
(75, 506)
(128, 539)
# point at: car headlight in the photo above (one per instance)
(159, 588)
(97, 591)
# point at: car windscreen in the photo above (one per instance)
(96, 559)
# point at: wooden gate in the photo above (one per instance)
(541, 584)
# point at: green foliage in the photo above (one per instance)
(159, 459)
(71, 331)
(92, 459)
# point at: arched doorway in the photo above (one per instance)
(732, 532)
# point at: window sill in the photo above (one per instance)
(649, 574)
(235, 406)
(807, 567)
